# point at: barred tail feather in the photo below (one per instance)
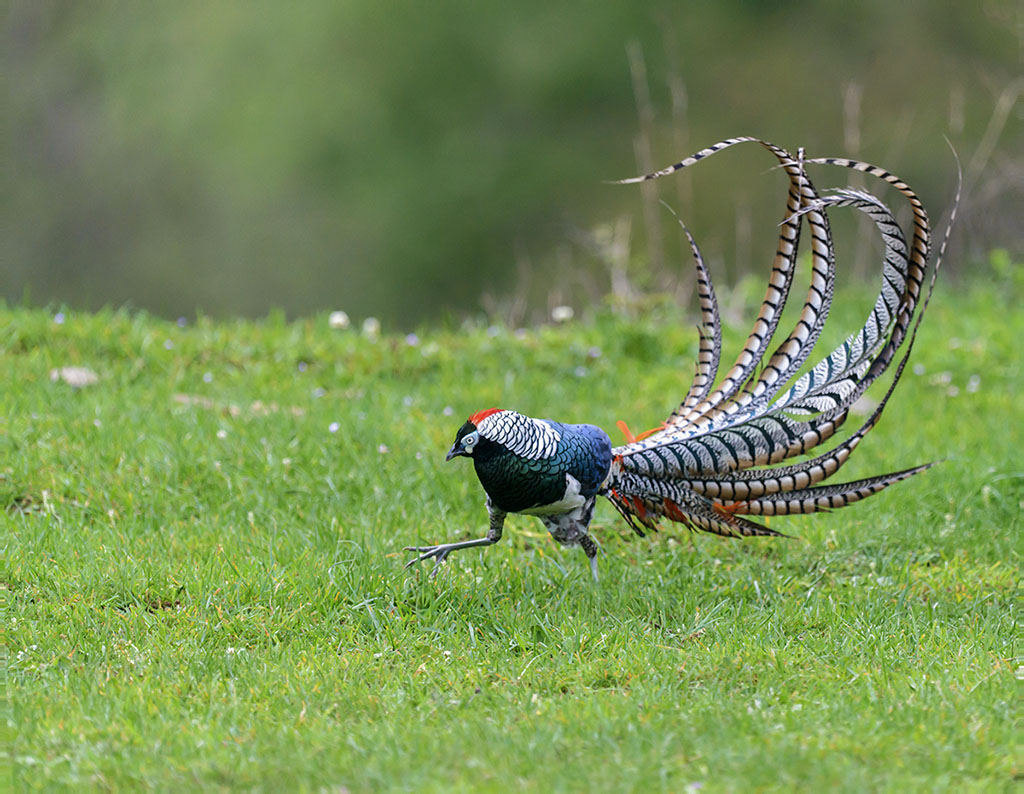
(699, 468)
(801, 194)
(709, 354)
(825, 497)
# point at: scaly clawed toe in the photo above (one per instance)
(439, 552)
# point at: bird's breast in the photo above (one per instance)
(518, 485)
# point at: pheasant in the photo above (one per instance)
(714, 460)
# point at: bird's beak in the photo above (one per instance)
(454, 452)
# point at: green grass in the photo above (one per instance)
(204, 584)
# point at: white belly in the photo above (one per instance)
(571, 500)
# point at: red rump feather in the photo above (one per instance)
(479, 416)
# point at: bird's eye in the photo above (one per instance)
(469, 441)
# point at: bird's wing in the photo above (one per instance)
(586, 454)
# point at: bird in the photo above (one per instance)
(715, 460)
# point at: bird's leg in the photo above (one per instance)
(570, 529)
(441, 551)
(589, 546)
(587, 543)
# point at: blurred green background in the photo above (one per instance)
(417, 160)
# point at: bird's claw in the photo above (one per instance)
(439, 552)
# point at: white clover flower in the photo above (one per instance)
(371, 327)
(338, 320)
(77, 377)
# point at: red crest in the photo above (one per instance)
(479, 416)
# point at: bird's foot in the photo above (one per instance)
(441, 551)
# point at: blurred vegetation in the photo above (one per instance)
(404, 160)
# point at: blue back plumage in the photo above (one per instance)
(587, 452)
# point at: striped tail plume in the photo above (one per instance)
(716, 457)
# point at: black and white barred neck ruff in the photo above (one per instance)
(533, 439)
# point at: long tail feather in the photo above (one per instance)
(824, 497)
(801, 195)
(698, 469)
(709, 354)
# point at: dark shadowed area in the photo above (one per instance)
(417, 160)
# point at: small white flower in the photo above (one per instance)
(448, 410)
(222, 434)
(74, 376)
(562, 314)
(371, 327)
(338, 320)
(973, 383)
(580, 372)
(383, 449)
(412, 340)
(919, 369)
(58, 318)
(207, 377)
(333, 427)
(168, 344)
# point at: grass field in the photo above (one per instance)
(204, 588)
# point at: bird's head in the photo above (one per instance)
(468, 437)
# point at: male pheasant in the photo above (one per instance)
(714, 459)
